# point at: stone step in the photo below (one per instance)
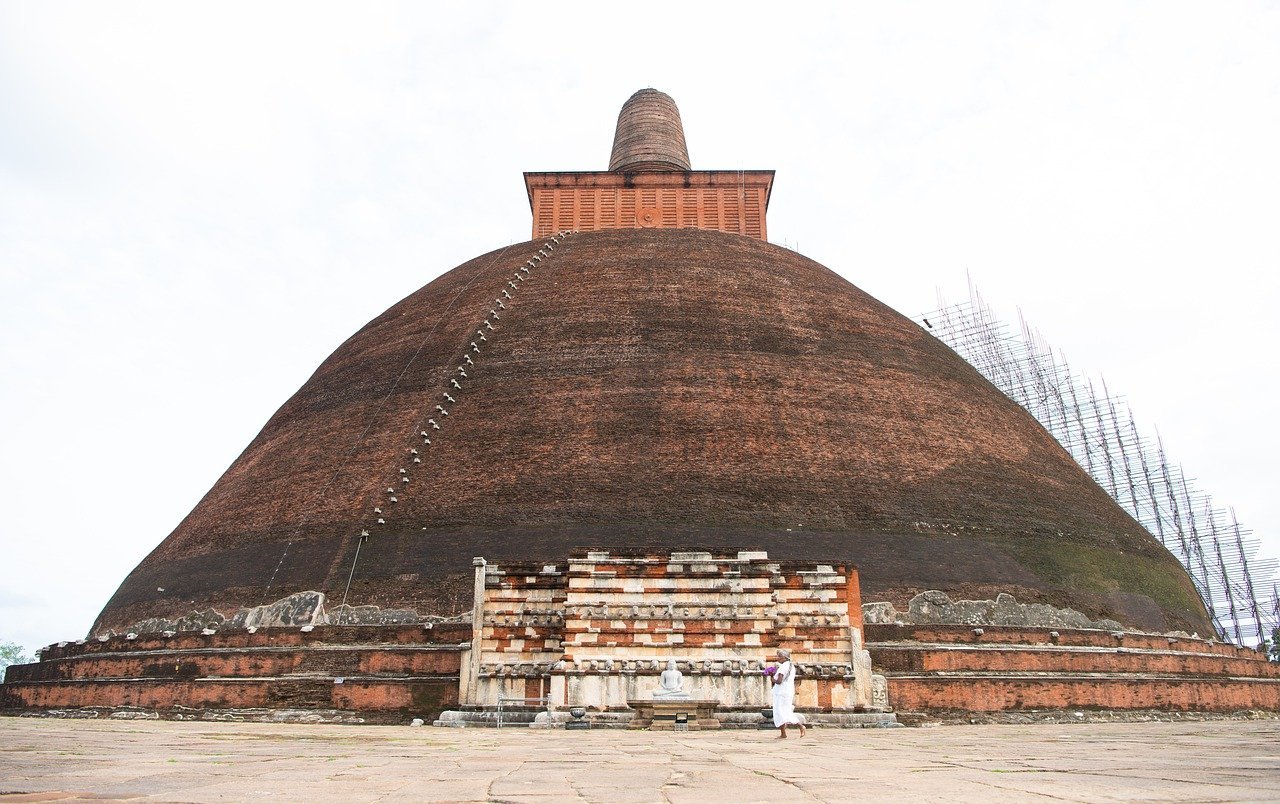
(519, 717)
(471, 717)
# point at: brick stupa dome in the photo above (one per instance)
(653, 389)
(670, 381)
(646, 435)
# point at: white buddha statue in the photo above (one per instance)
(669, 684)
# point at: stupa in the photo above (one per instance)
(649, 375)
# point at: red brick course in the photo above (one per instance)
(1001, 694)
(1001, 668)
(1012, 659)
(374, 700)
(383, 674)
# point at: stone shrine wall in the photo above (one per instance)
(598, 629)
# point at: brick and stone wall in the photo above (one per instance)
(365, 674)
(938, 668)
(597, 630)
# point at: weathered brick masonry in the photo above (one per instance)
(370, 673)
(674, 383)
(995, 668)
(657, 390)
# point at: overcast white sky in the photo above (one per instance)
(199, 202)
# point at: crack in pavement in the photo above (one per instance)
(1125, 774)
(577, 789)
(732, 762)
(670, 781)
(780, 779)
(488, 790)
(1021, 791)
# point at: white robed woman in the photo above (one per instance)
(784, 695)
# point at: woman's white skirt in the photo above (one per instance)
(784, 707)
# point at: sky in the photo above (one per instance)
(200, 201)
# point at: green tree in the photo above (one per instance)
(1273, 647)
(11, 653)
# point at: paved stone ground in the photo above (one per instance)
(172, 761)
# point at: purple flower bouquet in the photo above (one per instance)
(770, 670)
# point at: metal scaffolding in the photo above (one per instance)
(1239, 587)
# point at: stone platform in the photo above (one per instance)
(671, 714)
(211, 762)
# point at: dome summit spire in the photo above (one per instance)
(649, 184)
(650, 136)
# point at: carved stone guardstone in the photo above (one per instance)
(879, 693)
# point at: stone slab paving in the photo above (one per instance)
(57, 760)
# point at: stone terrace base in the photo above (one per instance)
(667, 715)
(941, 669)
(335, 674)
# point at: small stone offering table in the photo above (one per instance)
(662, 715)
